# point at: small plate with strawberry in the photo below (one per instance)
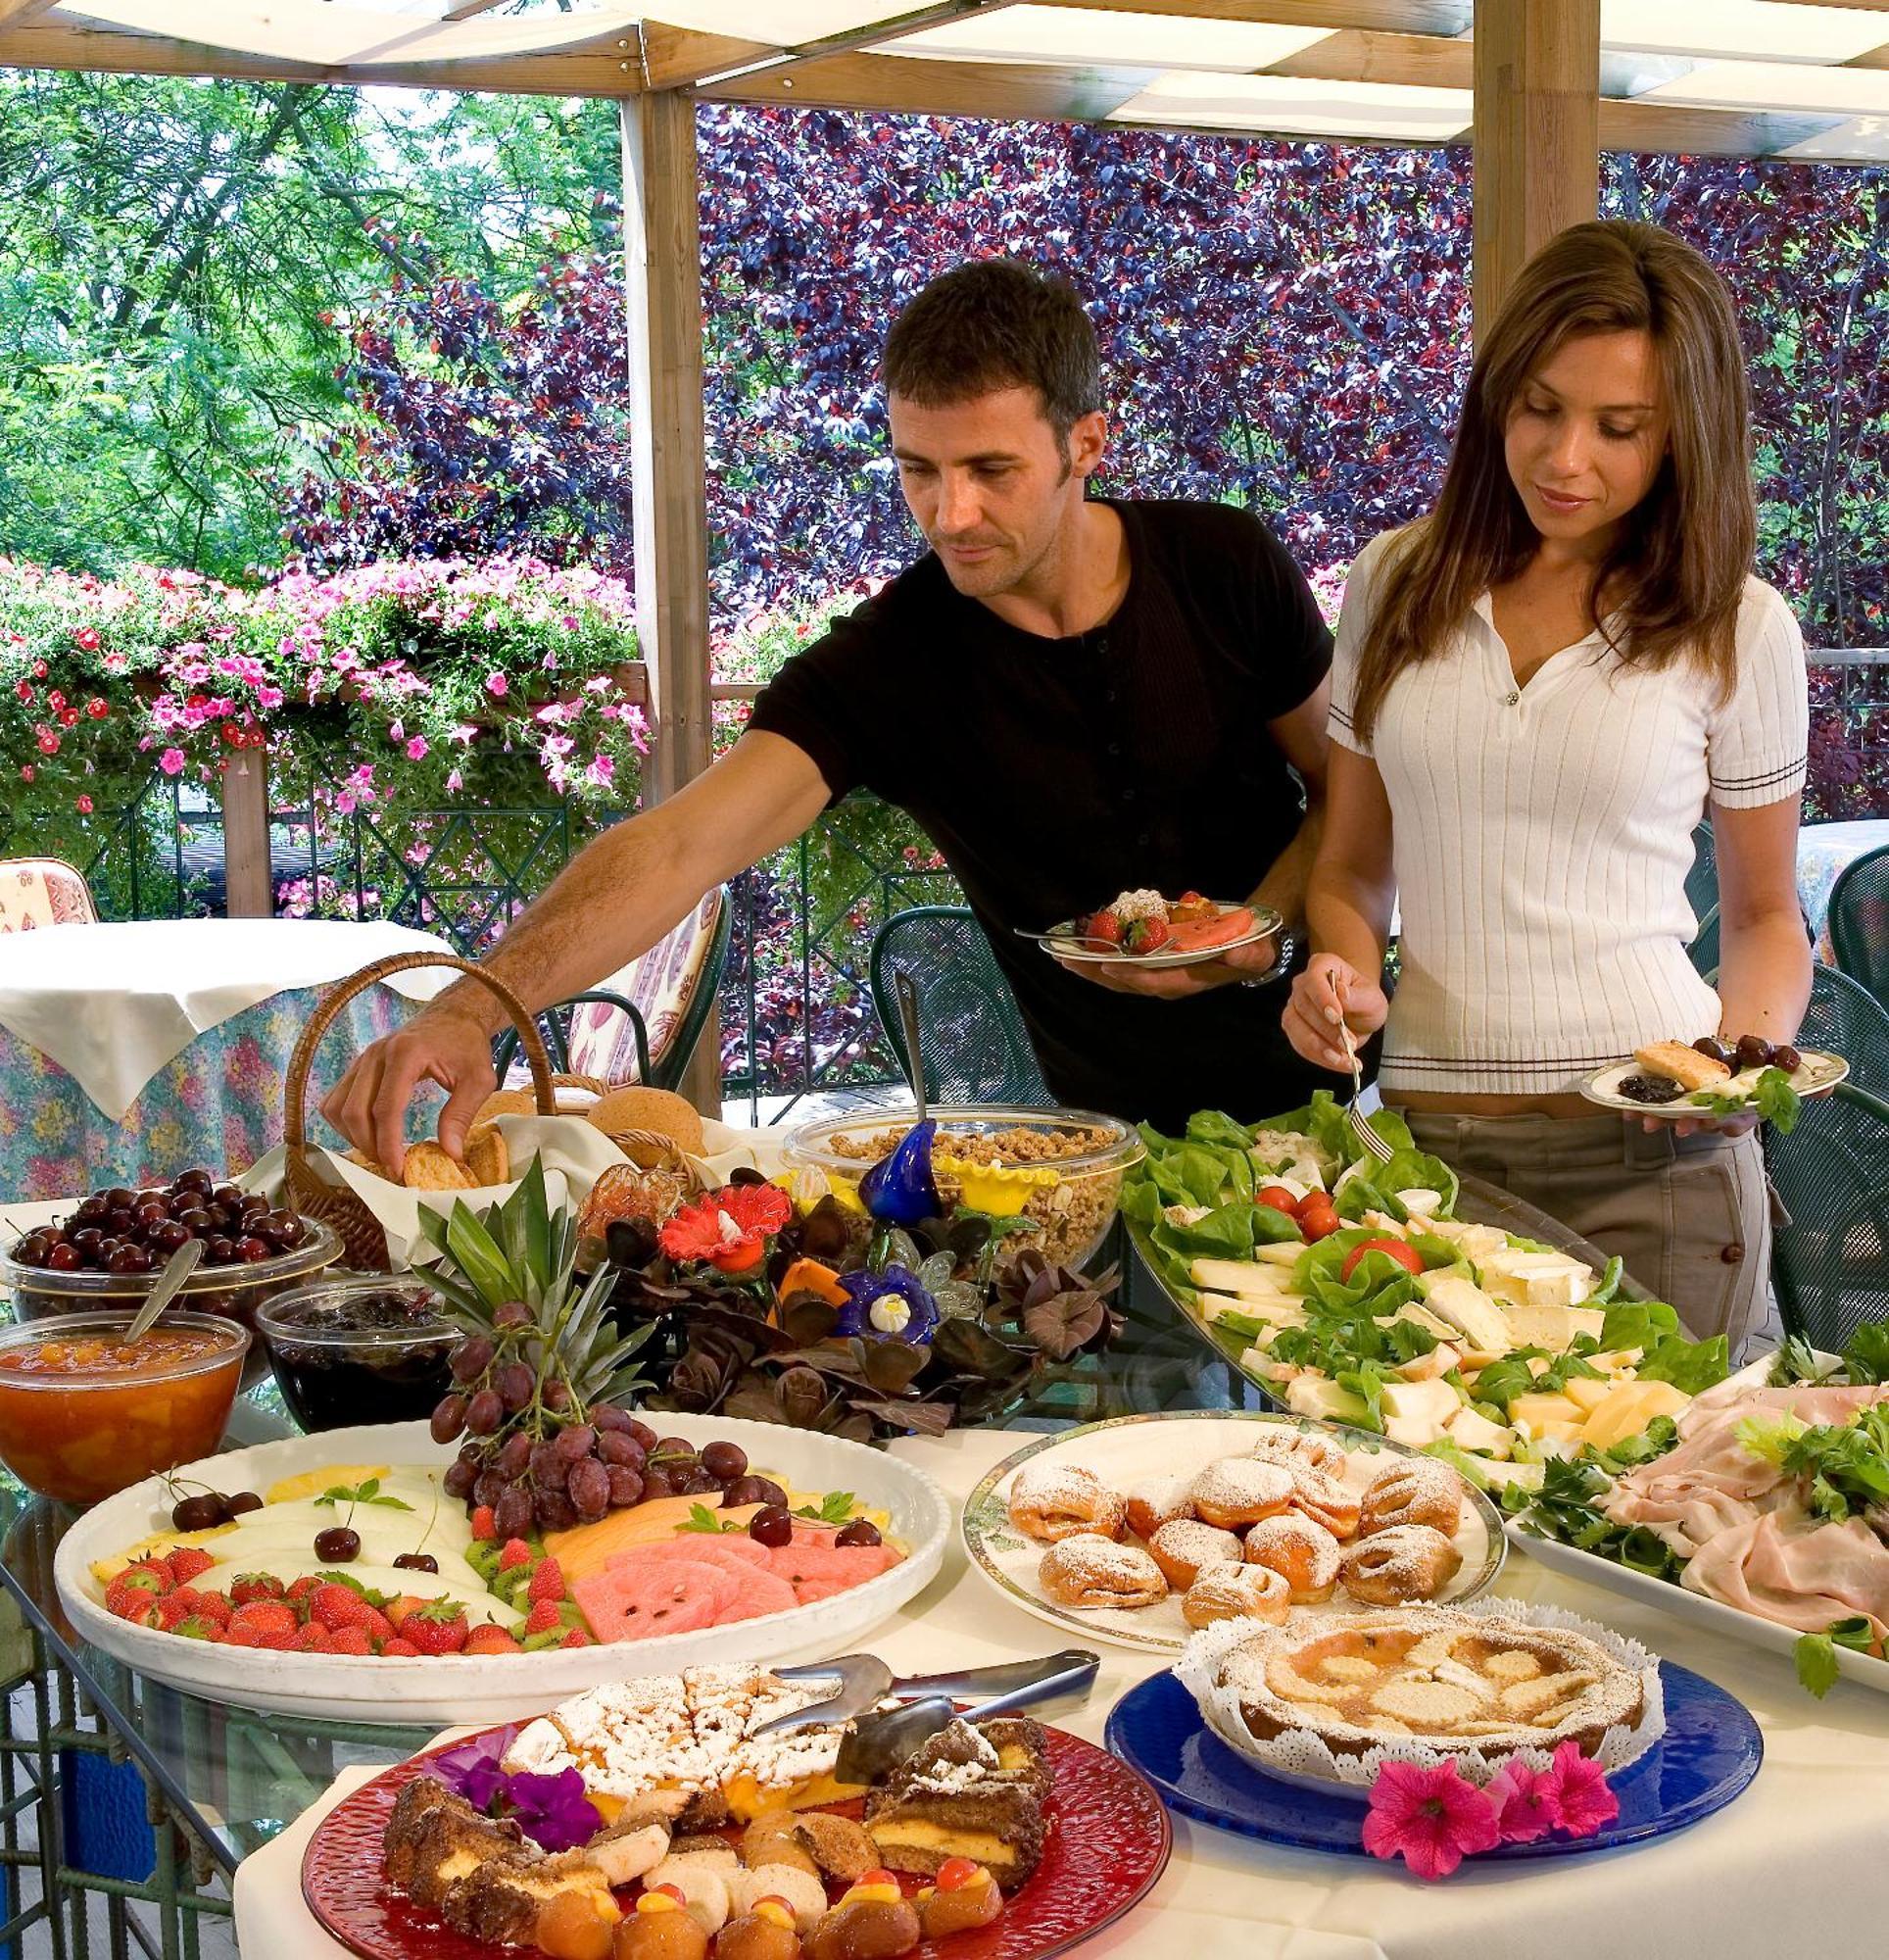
(1145, 929)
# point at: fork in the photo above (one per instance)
(1374, 1145)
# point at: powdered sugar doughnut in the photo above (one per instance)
(1324, 1500)
(1089, 1570)
(1416, 1491)
(1240, 1491)
(1158, 1501)
(1280, 1443)
(1236, 1593)
(1394, 1567)
(1051, 1502)
(1302, 1551)
(1184, 1545)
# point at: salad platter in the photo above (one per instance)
(1370, 1294)
(1145, 1467)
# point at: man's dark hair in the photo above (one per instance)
(997, 323)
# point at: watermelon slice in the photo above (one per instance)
(1201, 934)
(760, 1593)
(700, 1549)
(641, 1601)
(836, 1567)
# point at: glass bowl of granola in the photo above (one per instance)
(1061, 1167)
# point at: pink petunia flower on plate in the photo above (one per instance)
(1580, 1792)
(1430, 1818)
(1527, 1802)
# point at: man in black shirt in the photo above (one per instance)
(1074, 697)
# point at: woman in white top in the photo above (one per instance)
(1538, 690)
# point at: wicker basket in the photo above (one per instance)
(363, 1240)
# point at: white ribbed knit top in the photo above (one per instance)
(1542, 837)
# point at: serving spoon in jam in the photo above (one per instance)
(177, 1269)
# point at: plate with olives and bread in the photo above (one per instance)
(1712, 1077)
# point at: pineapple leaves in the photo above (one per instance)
(470, 1247)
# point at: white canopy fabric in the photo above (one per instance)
(1763, 77)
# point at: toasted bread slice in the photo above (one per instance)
(487, 1161)
(430, 1168)
(372, 1165)
(1684, 1065)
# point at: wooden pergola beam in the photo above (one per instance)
(1390, 17)
(1003, 91)
(603, 69)
(1536, 132)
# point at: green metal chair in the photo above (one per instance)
(600, 1048)
(1830, 1264)
(1704, 949)
(1845, 1018)
(976, 1049)
(1860, 921)
(1702, 881)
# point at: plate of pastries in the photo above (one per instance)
(1143, 1530)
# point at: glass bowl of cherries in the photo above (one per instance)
(110, 1250)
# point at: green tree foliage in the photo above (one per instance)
(174, 256)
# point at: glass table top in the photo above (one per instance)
(236, 1776)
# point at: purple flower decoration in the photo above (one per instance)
(552, 1812)
(899, 1190)
(893, 1306)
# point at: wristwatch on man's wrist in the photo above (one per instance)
(1288, 945)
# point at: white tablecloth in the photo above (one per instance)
(1795, 1866)
(112, 1004)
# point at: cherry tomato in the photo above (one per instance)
(1280, 1198)
(1405, 1254)
(1319, 1221)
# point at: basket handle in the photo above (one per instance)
(295, 1089)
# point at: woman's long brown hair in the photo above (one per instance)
(1673, 581)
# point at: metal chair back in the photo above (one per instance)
(1702, 881)
(1860, 921)
(1845, 1018)
(1830, 1264)
(976, 1049)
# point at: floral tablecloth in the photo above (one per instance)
(219, 1103)
(1823, 851)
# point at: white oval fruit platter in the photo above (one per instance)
(672, 1581)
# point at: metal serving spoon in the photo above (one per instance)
(177, 1269)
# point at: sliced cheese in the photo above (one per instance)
(1470, 1430)
(1539, 1411)
(1470, 1312)
(1587, 1394)
(1287, 1253)
(1237, 1276)
(1627, 1411)
(1555, 1328)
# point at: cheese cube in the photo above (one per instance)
(1587, 1394)
(1470, 1430)
(1470, 1312)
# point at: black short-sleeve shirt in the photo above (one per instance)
(1052, 773)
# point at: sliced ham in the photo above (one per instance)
(1785, 1567)
(1710, 1484)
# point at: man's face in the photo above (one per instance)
(989, 483)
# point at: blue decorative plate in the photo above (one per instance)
(1710, 1751)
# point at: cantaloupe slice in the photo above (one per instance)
(586, 1548)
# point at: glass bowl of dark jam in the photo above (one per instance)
(365, 1348)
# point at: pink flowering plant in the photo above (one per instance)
(400, 687)
(1435, 1817)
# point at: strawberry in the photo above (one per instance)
(437, 1628)
(188, 1562)
(336, 1607)
(314, 1639)
(546, 1582)
(543, 1617)
(177, 1605)
(199, 1627)
(133, 1595)
(484, 1524)
(352, 1640)
(241, 1636)
(214, 1607)
(516, 1553)
(281, 1640)
(577, 1638)
(1103, 926)
(299, 1588)
(489, 1639)
(398, 1650)
(398, 1609)
(248, 1586)
(1147, 935)
(264, 1616)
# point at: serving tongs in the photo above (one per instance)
(882, 1736)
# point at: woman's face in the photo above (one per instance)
(1586, 437)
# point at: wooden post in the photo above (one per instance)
(662, 250)
(1538, 133)
(249, 884)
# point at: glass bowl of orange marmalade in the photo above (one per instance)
(84, 1413)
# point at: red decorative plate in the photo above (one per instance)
(1108, 1842)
